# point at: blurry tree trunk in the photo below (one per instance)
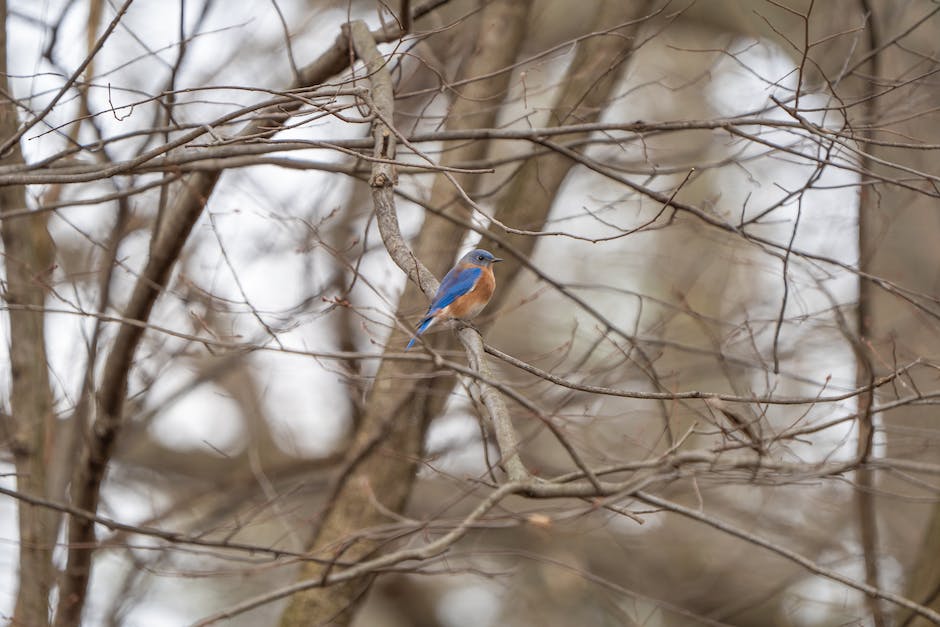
(902, 243)
(898, 229)
(588, 85)
(865, 376)
(924, 584)
(898, 234)
(406, 396)
(28, 260)
(865, 368)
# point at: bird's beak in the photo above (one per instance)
(496, 259)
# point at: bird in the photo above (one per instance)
(463, 293)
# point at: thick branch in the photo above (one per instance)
(28, 260)
(865, 370)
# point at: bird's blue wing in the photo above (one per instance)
(458, 282)
(425, 323)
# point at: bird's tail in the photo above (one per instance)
(424, 326)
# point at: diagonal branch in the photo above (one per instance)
(383, 197)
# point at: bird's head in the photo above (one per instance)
(480, 257)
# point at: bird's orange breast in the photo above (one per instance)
(473, 302)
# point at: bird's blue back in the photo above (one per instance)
(456, 283)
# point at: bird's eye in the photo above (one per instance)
(479, 257)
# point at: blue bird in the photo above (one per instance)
(463, 293)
